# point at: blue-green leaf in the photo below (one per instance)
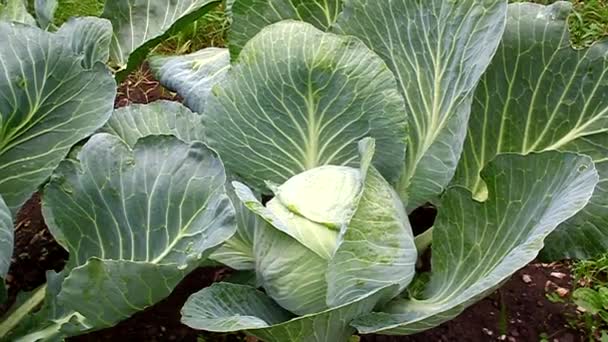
(226, 307)
(135, 221)
(540, 94)
(299, 98)
(438, 50)
(251, 16)
(6, 245)
(89, 37)
(477, 246)
(137, 121)
(192, 76)
(48, 103)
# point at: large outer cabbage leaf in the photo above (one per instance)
(55, 319)
(89, 37)
(48, 102)
(157, 118)
(6, 245)
(227, 307)
(135, 221)
(438, 50)
(541, 94)
(171, 118)
(251, 309)
(251, 16)
(139, 25)
(300, 98)
(477, 246)
(192, 76)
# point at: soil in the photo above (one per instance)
(519, 311)
(141, 87)
(35, 252)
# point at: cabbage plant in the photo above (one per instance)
(335, 252)
(55, 91)
(289, 107)
(138, 206)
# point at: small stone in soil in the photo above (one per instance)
(562, 292)
(558, 275)
(526, 278)
(549, 285)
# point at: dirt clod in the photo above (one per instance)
(562, 292)
(558, 275)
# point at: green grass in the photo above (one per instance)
(592, 272)
(210, 30)
(77, 8)
(589, 22)
(591, 285)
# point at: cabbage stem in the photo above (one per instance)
(14, 317)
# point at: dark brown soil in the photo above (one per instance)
(519, 311)
(141, 87)
(35, 252)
